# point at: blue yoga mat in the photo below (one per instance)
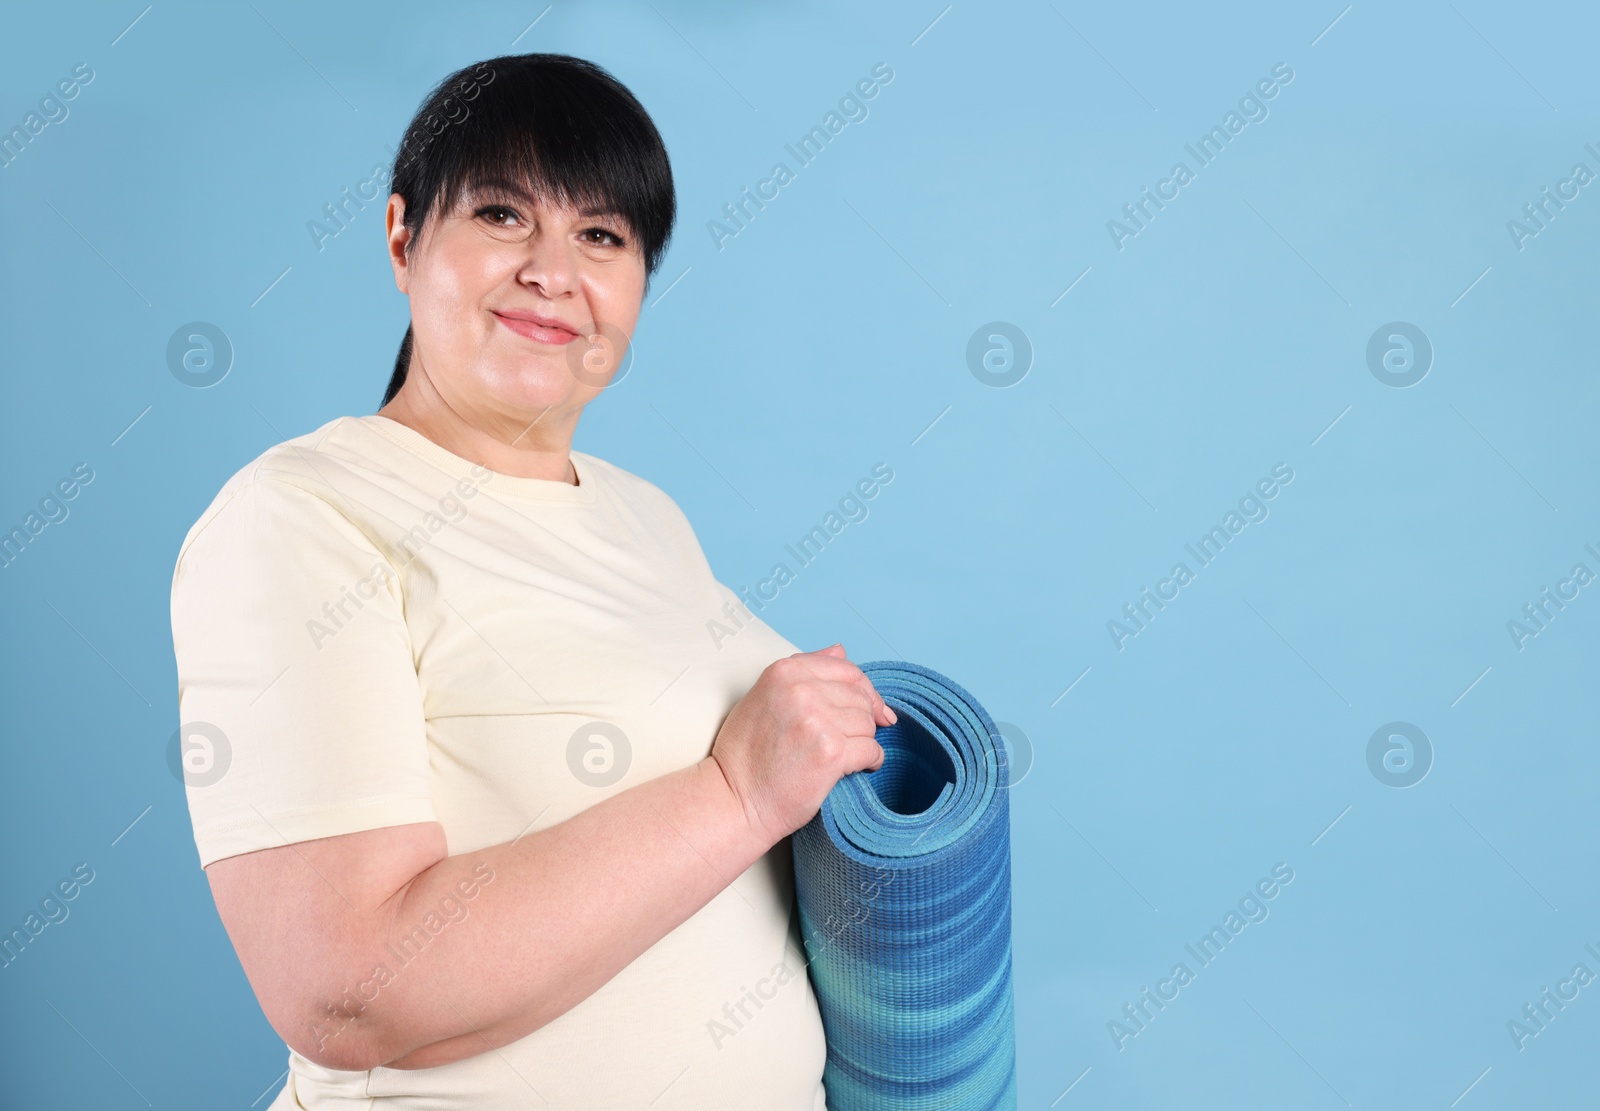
(904, 885)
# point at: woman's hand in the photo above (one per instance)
(809, 720)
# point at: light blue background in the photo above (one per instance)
(828, 336)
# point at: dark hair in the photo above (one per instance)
(561, 127)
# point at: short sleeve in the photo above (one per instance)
(301, 714)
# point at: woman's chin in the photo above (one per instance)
(533, 394)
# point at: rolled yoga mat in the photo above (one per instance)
(903, 880)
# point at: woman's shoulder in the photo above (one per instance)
(297, 456)
(309, 466)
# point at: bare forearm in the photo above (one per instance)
(553, 916)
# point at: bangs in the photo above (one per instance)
(521, 166)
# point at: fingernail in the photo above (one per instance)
(893, 717)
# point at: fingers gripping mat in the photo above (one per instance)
(904, 884)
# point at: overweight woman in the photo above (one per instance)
(493, 814)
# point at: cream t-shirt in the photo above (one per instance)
(372, 631)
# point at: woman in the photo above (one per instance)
(493, 821)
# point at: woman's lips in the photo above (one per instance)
(537, 332)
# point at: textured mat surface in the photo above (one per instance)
(904, 885)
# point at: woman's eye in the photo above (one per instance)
(497, 210)
(501, 216)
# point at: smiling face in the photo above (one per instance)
(521, 310)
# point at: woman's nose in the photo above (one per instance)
(548, 263)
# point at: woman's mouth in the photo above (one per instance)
(541, 329)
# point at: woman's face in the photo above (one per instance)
(518, 308)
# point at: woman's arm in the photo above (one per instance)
(481, 949)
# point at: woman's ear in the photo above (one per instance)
(399, 237)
